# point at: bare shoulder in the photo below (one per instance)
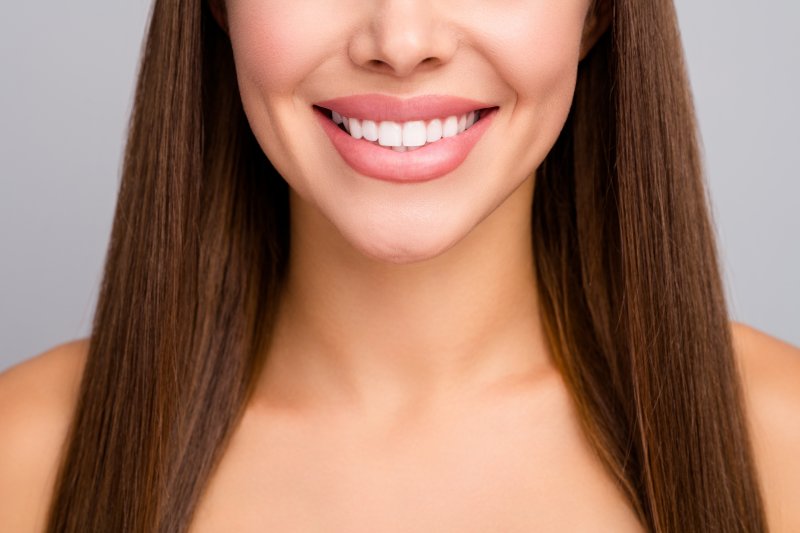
(770, 370)
(37, 398)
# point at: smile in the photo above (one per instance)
(404, 140)
(402, 136)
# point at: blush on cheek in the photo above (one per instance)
(267, 58)
(551, 81)
(273, 44)
(535, 47)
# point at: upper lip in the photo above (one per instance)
(379, 107)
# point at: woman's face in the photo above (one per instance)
(294, 57)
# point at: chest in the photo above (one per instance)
(480, 475)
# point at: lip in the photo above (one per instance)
(379, 107)
(426, 163)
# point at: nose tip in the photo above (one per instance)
(403, 37)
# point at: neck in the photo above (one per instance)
(355, 330)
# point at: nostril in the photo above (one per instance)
(378, 64)
(382, 66)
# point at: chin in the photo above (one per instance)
(402, 248)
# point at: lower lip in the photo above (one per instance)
(431, 161)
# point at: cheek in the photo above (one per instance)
(535, 45)
(276, 44)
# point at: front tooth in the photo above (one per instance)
(399, 148)
(337, 118)
(346, 123)
(434, 130)
(390, 133)
(450, 127)
(462, 123)
(414, 133)
(355, 128)
(369, 129)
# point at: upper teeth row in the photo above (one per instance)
(409, 134)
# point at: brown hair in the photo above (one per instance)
(625, 259)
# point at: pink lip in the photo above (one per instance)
(428, 162)
(380, 107)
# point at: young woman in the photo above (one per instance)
(408, 266)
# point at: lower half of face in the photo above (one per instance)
(515, 59)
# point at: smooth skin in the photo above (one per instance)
(409, 387)
(306, 473)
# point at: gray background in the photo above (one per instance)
(67, 77)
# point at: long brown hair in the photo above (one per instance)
(624, 253)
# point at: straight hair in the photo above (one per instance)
(625, 258)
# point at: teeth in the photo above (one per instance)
(450, 127)
(355, 128)
(415, 133)
(369, 129)
(390, 133)
(434, 130)
(407, 135)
